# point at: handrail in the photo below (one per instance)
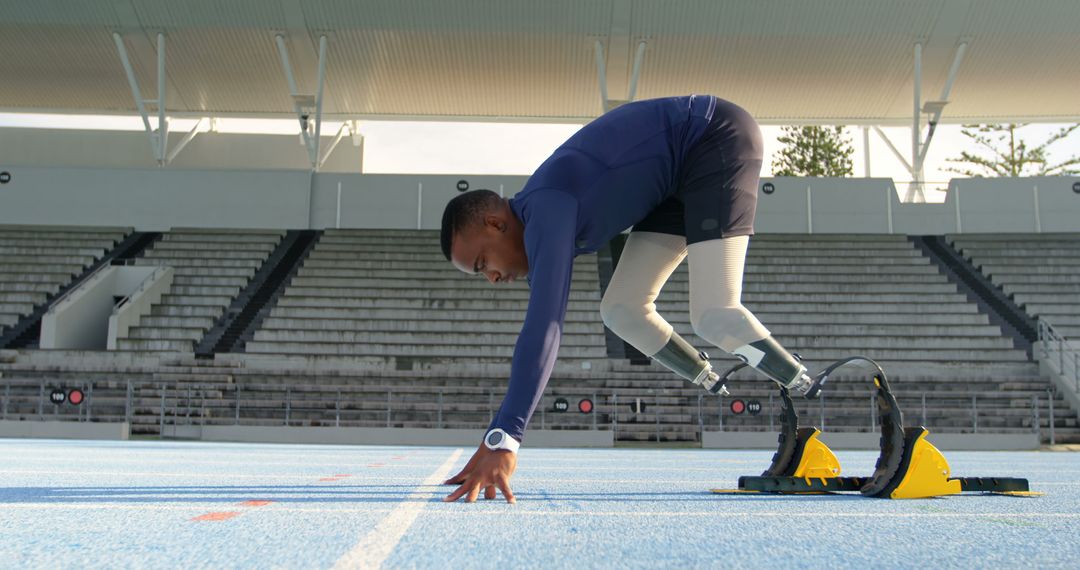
(1058, 354)
(62, 298)
(159, 269)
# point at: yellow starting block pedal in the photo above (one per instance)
(909, 466)
(816, 461)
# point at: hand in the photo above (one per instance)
(486, 470)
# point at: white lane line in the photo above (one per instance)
(375, 548)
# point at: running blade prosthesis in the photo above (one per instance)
(909, 466)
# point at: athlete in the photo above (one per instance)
(683, 172)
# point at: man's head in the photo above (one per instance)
(481, 234)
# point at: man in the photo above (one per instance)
(683, 171)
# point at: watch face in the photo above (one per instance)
(495, 438)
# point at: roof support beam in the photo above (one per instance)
(304, 105)
(638, 58)
(158, 138)
(940, 103)
(915, 189)
(601, 73)
(895, 152)
(919, 147)
(184, 141)
(347, 126)
(607, 104)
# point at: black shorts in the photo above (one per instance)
(716, 187)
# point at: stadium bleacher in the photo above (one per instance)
(1040, 272)
(211, 267)
(392, 293)
(377, 320)
(37, 261)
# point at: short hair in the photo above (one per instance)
(463, 211)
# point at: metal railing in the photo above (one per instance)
(635, 413)
(1062, 357)
(955, 413)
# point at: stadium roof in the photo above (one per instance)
(787, 61)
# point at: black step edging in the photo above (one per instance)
(248, 310)
(27, 332)
(991, 300)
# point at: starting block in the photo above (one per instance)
(908, 467)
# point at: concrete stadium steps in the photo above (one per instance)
(393, 294)
(37, 261)
(211, 268)
(856, 306)
(1040, 272)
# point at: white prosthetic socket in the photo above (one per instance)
(628, 308)
(718, 315)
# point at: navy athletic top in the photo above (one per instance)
(602, 180)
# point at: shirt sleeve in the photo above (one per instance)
(550, 230)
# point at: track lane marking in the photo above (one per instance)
(374, 548)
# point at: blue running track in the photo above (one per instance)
(143, 504)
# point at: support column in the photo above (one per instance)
(305, 105)
(866, 151)
(158, 138)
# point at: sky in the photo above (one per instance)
(413, 147)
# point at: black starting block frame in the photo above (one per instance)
(907, 467)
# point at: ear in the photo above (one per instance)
(494, 221)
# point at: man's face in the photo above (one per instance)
(494, 248)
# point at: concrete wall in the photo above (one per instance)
(64, 430)
(155, 199)
(139, 301)
(994, 205)
(81, 319)
(158, 199)
(131, 149)
(394, 200)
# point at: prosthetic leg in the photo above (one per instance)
(772, 360)
(681, 358)
(718, 315)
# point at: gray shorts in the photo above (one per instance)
(716, 186)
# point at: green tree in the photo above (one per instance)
(1010, 155)
(814, 151)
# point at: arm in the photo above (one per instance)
(549, 243)
(550, 230)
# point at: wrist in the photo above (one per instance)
(498, 440)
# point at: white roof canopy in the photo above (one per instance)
(787, 61)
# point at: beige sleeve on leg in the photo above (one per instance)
(716, 310)
(629, 307)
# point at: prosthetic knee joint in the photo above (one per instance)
(681, 358)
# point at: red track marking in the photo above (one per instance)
(342, 476)
(255, 503)
(328, 479)
(221, 516)
(375, 464)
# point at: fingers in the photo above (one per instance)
(463, 475)
(473, 493)
(457, 479)
(466, 488)
(489, 492)
(504, 486)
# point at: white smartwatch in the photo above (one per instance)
(498, 439)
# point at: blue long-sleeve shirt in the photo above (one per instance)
(603, 179)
